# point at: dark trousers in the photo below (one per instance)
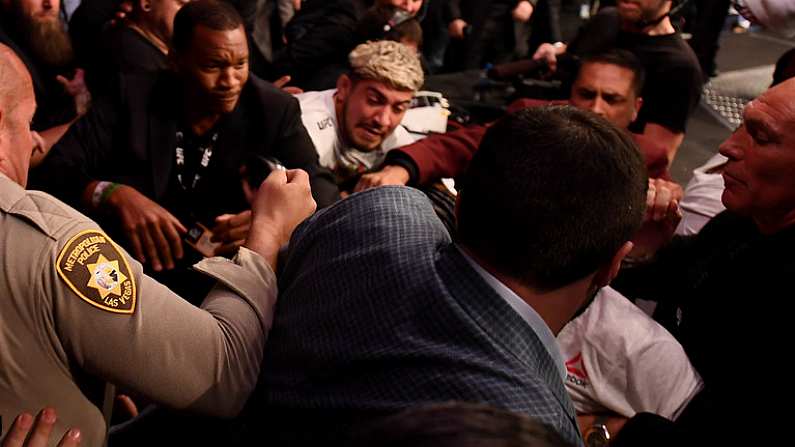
(706, 28)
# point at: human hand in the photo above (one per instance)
(549, 53)
(283, 81)
(523, 11)
(456, 29)
(297, 5)
(76, 88)
(282, 202)
(661, 218)
(231, 230)
(122, 10)
(27, 432)
(662, 201)
(389, 175)
(155, 234)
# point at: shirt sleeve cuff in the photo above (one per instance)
(249, 276)
(398, 158)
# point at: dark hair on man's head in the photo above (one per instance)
(387, 22)
(624, 59)
(551, 195)
(457, 424)
(785, 68)
(213, 14)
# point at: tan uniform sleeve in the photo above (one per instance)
(126, 328)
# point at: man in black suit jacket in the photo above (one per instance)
(165, 152)
(380, 310)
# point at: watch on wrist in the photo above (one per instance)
(597, 434)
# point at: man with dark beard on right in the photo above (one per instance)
(36, 33)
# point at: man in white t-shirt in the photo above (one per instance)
(619, 360)
(354, 125)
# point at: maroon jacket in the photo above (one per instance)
(448, 154)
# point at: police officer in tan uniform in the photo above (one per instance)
(76, 311)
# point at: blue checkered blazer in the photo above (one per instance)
(378, 311)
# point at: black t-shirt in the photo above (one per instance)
(673, 77)
(124, 50)
(731, 287)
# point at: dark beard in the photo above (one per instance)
(48, 42)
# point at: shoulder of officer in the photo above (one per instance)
(48, 215)
(82, 258)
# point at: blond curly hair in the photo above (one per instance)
(389, 62)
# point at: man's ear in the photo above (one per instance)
(344, 86)
(610, 270)
(638, 105)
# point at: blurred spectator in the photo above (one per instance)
(378, 23)
(321, 35)
(88, 22)
(673, 76)
(35, 31)
(706, 28)
(777, 15)
(390, 23)
(138, 43)
(483, 31)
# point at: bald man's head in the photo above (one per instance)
(17, 105)
(15, 80)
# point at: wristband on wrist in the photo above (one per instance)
(102, 191)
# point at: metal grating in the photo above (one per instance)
(726, 95)
(729, 109)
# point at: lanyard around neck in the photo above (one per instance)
(207, 153)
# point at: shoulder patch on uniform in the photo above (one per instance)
(96, 270)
